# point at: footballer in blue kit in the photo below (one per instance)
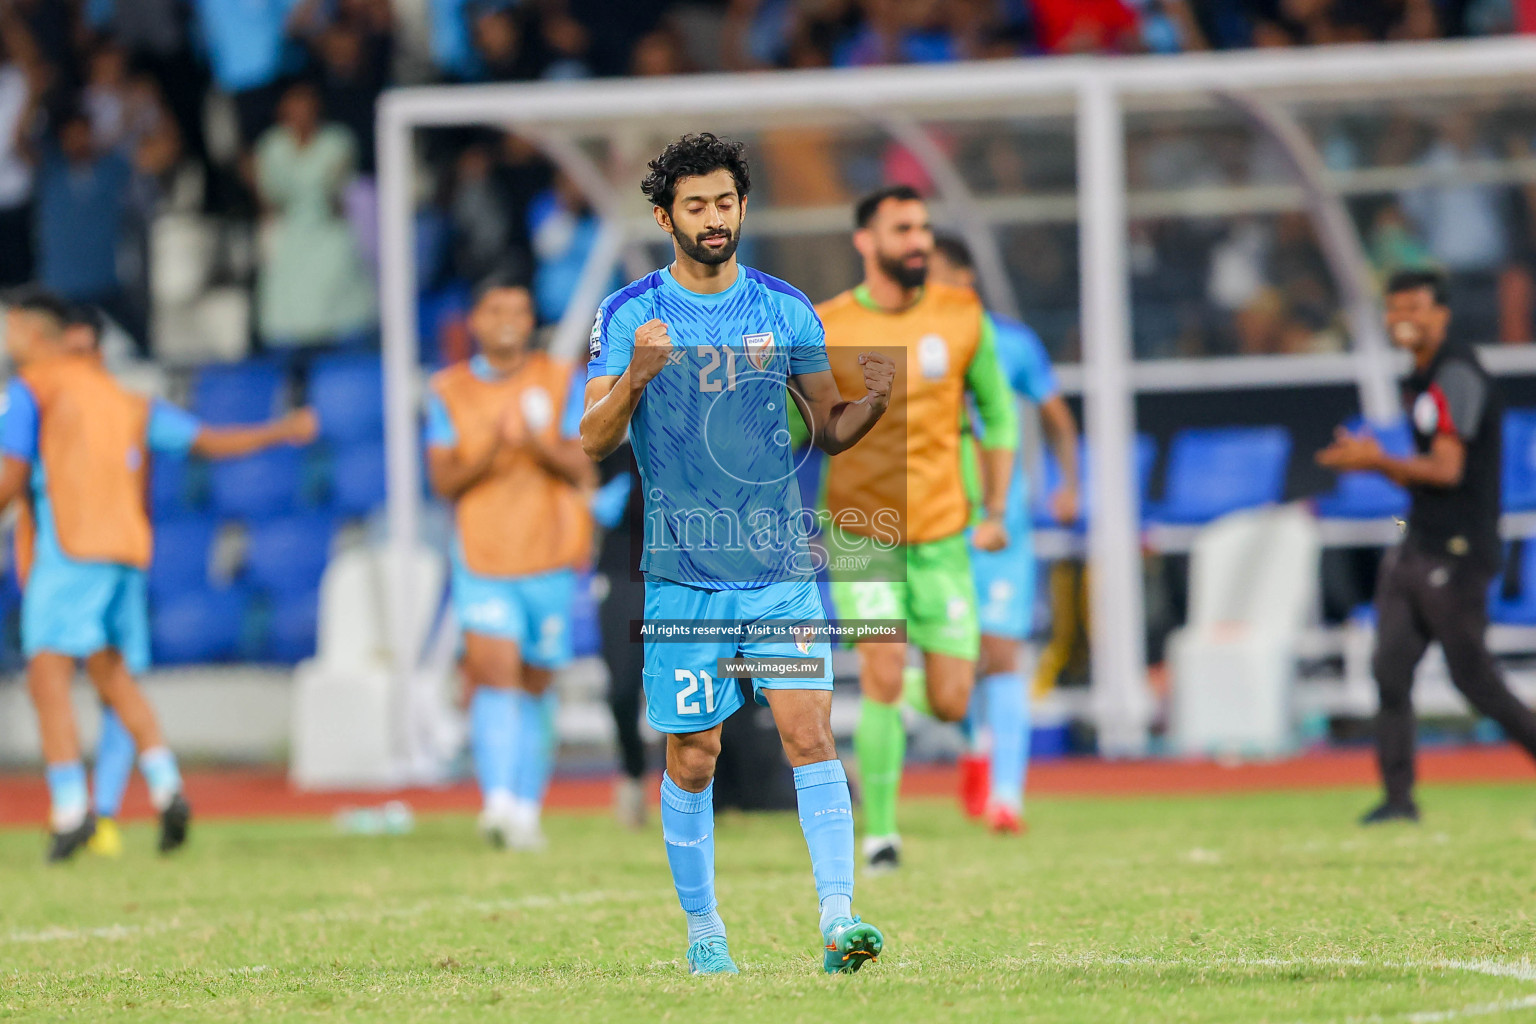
(697, 363)
(993, 786)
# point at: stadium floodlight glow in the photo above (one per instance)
(563, 119)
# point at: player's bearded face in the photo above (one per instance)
(900, 241)
(907, 265)
(711, 246)
(908, 269)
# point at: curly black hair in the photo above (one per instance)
(689, 157)
(1413, 280)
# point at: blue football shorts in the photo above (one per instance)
(1005, 587)
(533, 612)
(79, 608)
(682, 693)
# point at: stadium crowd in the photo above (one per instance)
(122, 122)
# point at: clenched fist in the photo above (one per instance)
(1066, 505)
(879, 373)
(653, 345)
(300, 426)
(990, 535)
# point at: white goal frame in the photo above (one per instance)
(1096, 90)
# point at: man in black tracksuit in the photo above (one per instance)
(1434, 585)
(618, 561)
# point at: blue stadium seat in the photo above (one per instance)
(1370, 495)
(258, 486)
(291, 628)
(1215, 471)
(245, 392)
(10, 608)
(348, 393)
(435, 312)
(182, 548)
(357, 478)
(171, 486)
(1050, 480)
(288, 556)
(586, 633)
(198, 626)
(1519, 610)
(1520, 460)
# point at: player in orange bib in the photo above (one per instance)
(171, 432)
(75, 446)
(503, 445)
(897, 504)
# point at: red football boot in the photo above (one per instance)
(1004, 820)
(975, 784)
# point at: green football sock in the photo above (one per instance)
(914, 690)
(880, 741)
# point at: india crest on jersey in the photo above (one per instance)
(759, 349)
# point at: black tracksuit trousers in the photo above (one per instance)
(1420, 598)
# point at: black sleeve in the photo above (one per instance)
(1466, 395)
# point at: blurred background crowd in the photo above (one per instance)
(202, 169)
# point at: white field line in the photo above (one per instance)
(1483, 1010)
(1523, 971)
(115, 932)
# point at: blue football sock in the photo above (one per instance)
(688, 826)
(114, 765)
(162, 775)
(971, 724)
(67, 796)
(533, 750)
(703, 926)
(492, 739)
(826, 818)
(1008, 721)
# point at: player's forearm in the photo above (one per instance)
(846, 424)
(233, 442)
(1061, 433)
(604, 425)
(996, 468)
(1433, 470)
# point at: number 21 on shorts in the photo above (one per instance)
(687, 704)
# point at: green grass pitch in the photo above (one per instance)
(1214, 909)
